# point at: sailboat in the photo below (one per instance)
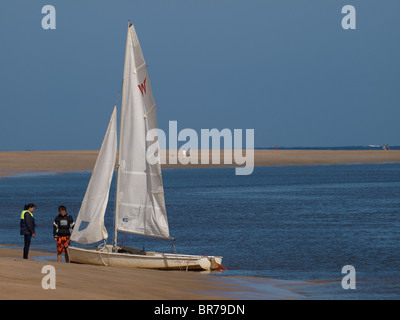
(140, 204)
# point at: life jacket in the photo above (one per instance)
(23, 214)
(62, 225)
(23, 223)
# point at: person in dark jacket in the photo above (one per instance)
(62, 226)
(27, 227)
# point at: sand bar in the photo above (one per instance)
(14, 162)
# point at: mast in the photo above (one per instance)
(118, 164)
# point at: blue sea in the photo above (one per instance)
(300, 224)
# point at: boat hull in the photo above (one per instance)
(148, 260)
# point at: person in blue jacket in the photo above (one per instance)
(27, 225)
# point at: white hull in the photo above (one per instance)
(147, 260)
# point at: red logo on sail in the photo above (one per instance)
(142, 87)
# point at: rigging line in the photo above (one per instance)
(117, 159)
(175, 252)
(101, 257)
(123, 241)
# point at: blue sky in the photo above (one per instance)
(286, 69)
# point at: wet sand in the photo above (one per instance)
(12, 163)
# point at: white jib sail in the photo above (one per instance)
(89, 225)
(140, 207)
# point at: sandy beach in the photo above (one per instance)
(15, 162)
(22, 279)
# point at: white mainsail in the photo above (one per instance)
(140, 204)
(89, 225)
